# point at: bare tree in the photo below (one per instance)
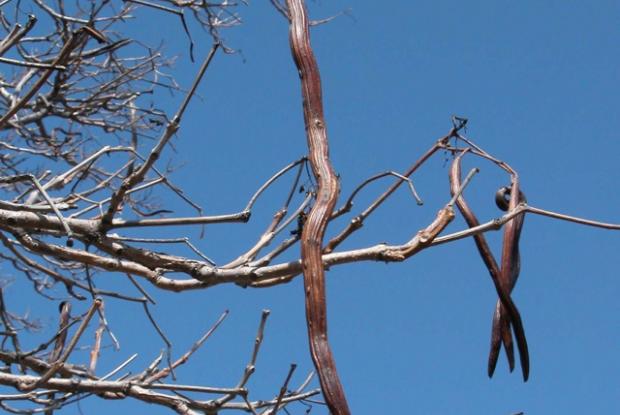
(80, 148)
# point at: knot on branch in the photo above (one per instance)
(357, 222)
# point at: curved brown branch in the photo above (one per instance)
(327, 195)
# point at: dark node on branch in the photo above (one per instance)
(301, 220)
(459, 123)
(245, 216)
(91, 237)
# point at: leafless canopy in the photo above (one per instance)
(81, 138)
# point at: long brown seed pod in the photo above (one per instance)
(501, 324)
(511, 264)
(327, 192)
(489, 261)
(512, 312)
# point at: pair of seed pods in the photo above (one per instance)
(506, 315)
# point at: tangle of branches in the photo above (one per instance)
(79, 151)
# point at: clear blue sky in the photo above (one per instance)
(539, 84)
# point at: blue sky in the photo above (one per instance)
(539, 84)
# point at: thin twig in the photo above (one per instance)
(26, 387)
(17, 33)
(284, 388)
(251, 366)
(35, 181)
(173, 125)
(183, 359)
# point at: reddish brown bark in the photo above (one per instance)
(327, 192)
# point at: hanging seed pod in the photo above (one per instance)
(506, 313)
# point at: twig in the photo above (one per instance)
(17, 34)
(163, 337)
(96, 349)
(26, 387)
(283, 389)
(197, 220)
(72, 43)
(574, 219)
(173, 11)
(142, 290)
(269, 234)
(184, 240)
(357, 222)
(173, 125)
(32, 64)
(33, 179)
(251, 366)
(183, 359)
(119, 367)
(346, 207)
(272, 179)
(10, 330)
